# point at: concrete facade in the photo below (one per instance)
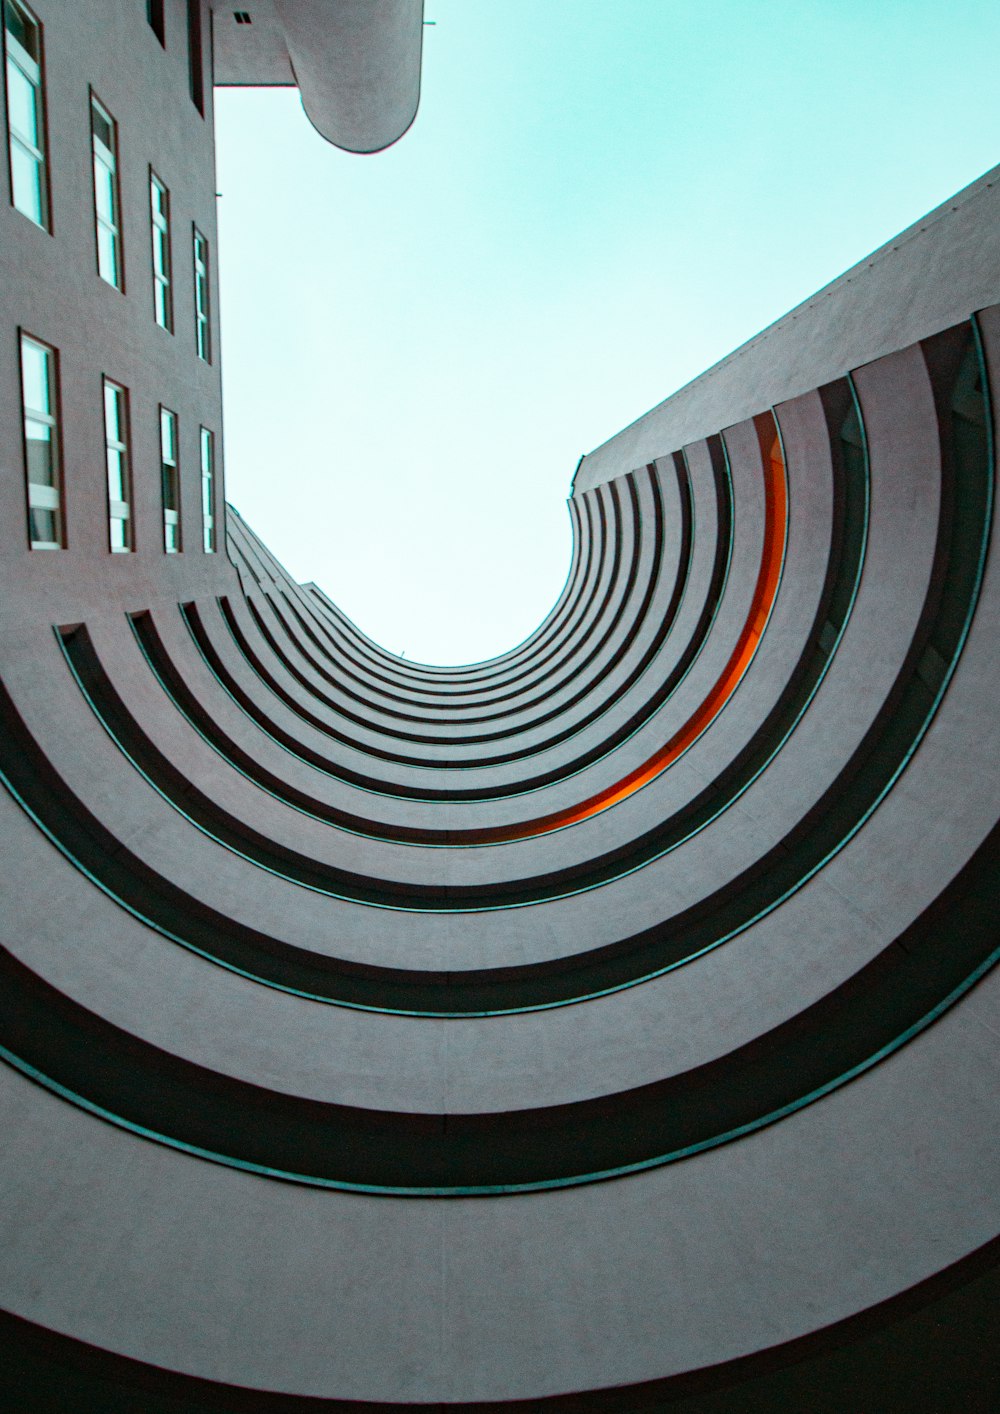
(611, 1025)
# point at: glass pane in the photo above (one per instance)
(170, 488)
(104, 192)
(39, 453)
(159, 199)
(20, 26)
(35, 376)
(160, 251)
(22, 104)
(206, 451)
(119, 536)
(170, 538)
(28, 191)
(107, 255)
(44, 526)
(112, 413)
(167, 436)
(116, 475)
(102, 129)
(160, 305)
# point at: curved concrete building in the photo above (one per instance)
(608, 1026)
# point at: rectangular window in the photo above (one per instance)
(170, 480)
(202, 330)
(154, 13)
(26, 113)
(196, 56)
(163, 299)
(107, 202)
(116, 440)
(40, 398)
(208, 489)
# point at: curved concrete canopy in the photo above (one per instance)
(357, 65)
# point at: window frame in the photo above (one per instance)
(196, 54)
(202, 309)
(39, 496)
(120, 511)
(170, 471)
(154, 14)
(160, 221)
(15, 54)
(113, 169)
(206, 439)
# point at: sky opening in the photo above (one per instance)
(595, 203)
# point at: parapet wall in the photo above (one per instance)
(939, 270)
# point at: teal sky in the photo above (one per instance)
(596, 202)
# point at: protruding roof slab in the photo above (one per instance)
(356, 62)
